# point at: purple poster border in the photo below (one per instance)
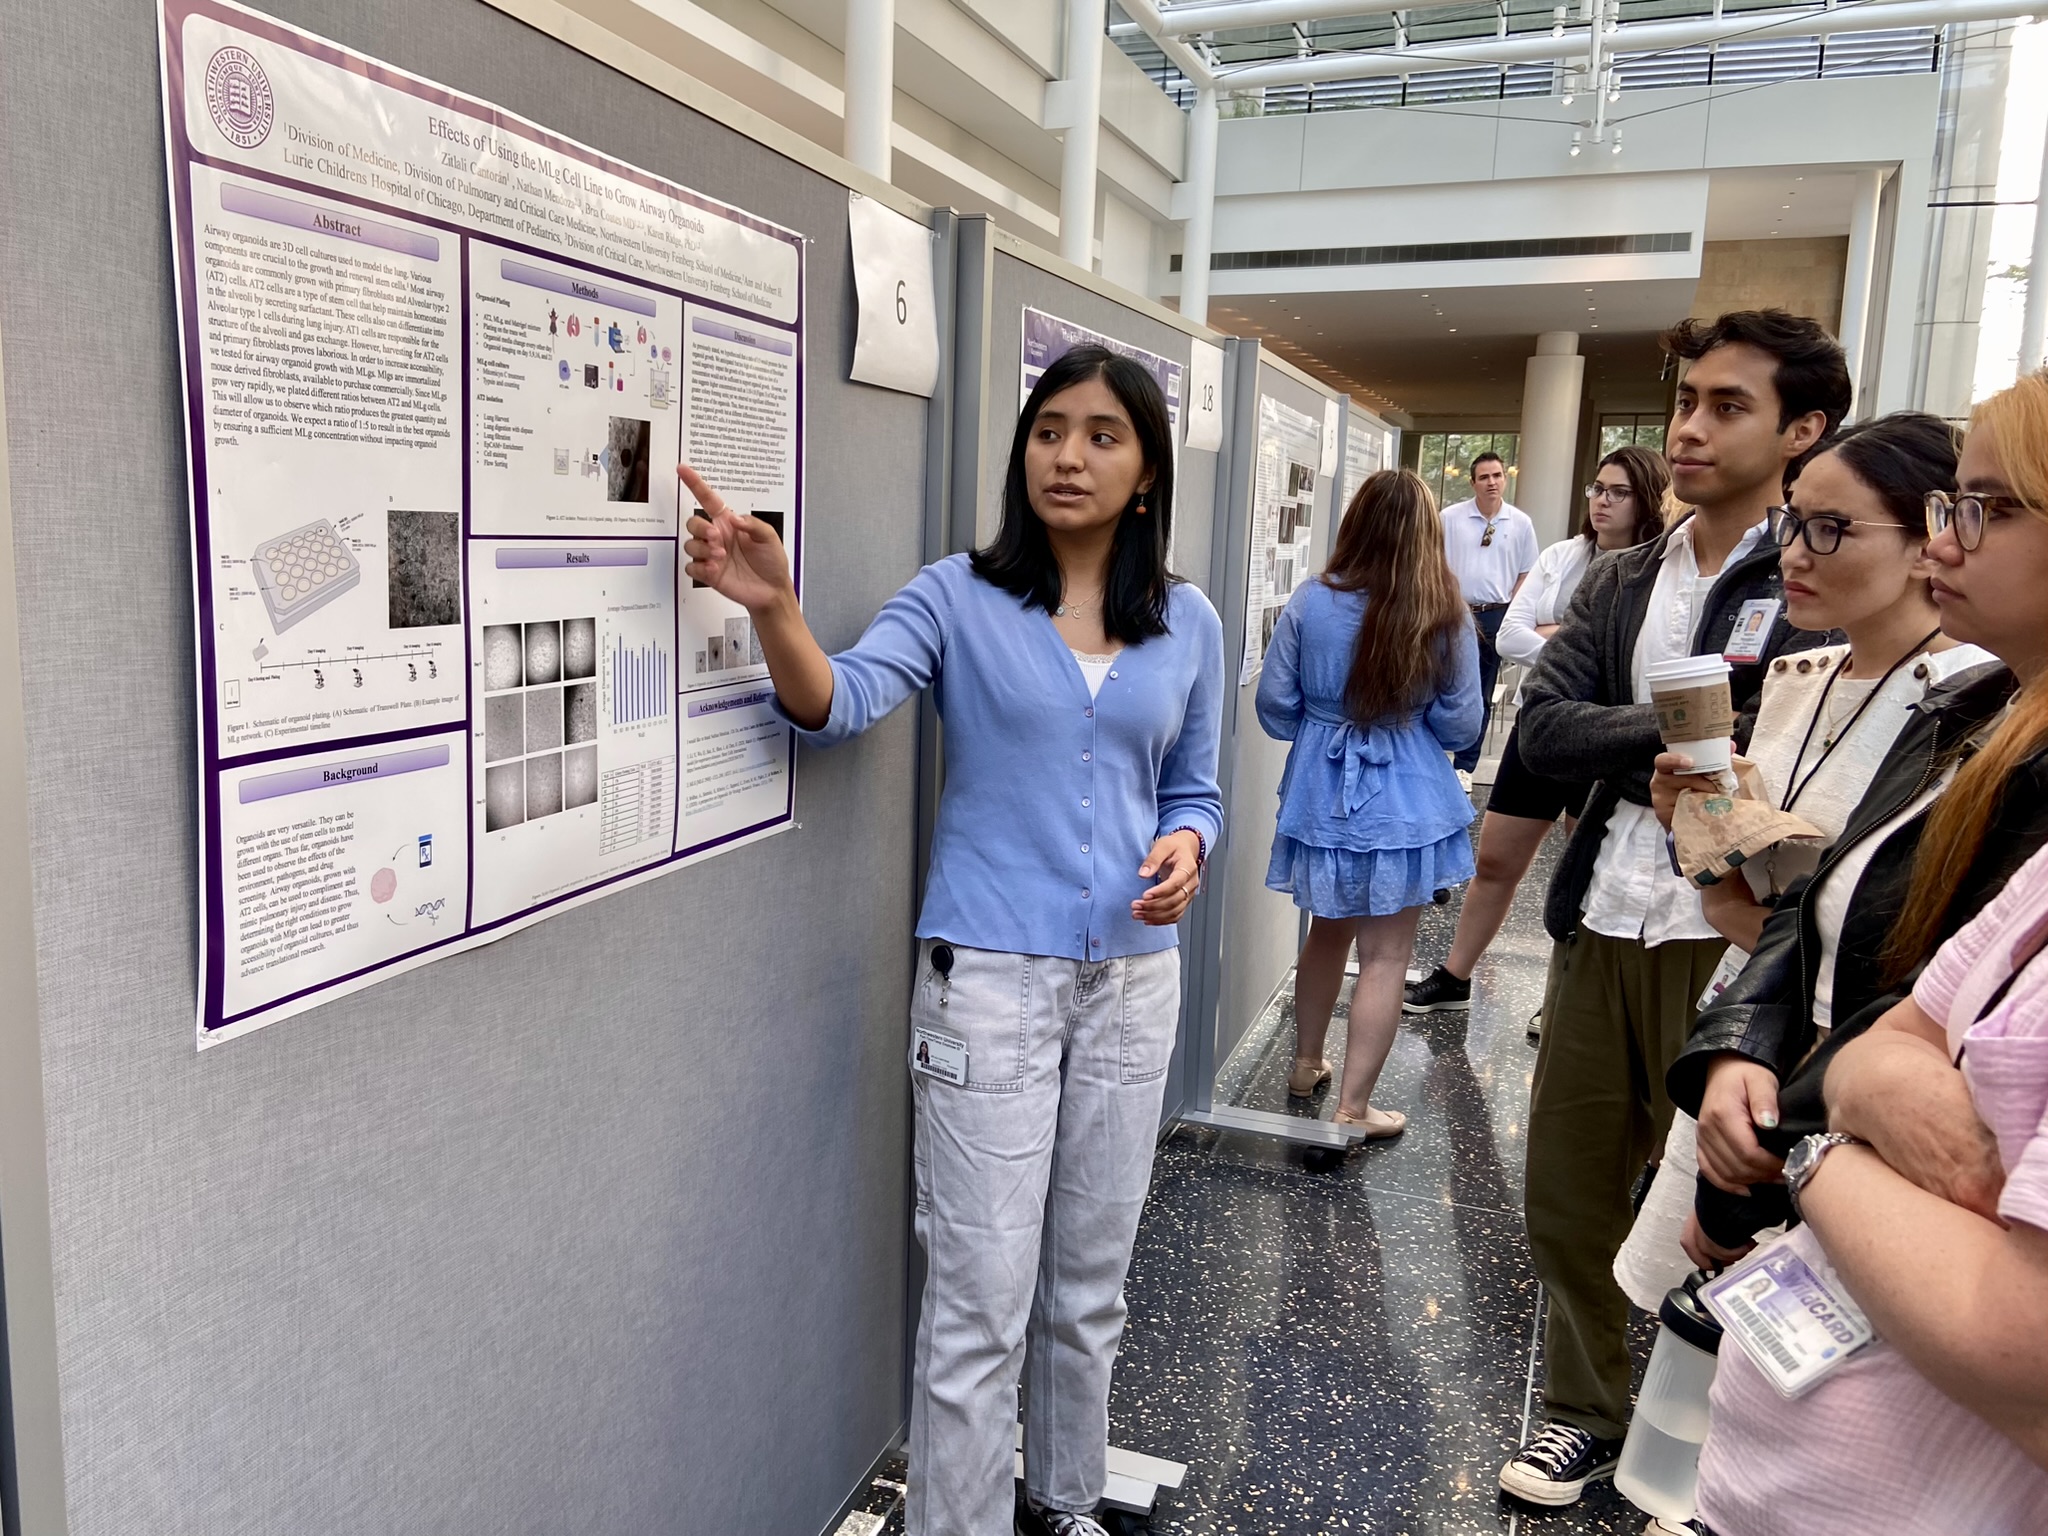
(180, 158)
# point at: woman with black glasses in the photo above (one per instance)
(1840, 946)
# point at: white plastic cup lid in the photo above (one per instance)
(1687, 669)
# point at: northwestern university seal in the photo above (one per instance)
(238, 96)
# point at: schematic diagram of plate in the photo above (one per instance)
(303, 570)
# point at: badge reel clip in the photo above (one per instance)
(937, 1053)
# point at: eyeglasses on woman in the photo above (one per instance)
(1965, 514)
(1821, 530)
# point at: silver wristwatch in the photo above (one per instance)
(1804, 1161)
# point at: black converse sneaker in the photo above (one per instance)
(1554, 1467)
(1437, 991)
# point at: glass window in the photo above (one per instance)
(1444, 461)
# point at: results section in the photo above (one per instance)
(573, 743)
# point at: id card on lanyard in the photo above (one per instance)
(1790, 1312)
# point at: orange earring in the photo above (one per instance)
(1141, 506)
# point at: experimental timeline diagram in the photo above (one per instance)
(440, 363)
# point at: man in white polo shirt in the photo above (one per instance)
(1491, 547)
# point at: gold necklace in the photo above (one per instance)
(1071, 609)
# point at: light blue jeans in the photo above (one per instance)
(1030, 1180)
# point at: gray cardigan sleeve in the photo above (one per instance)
(1571, 724)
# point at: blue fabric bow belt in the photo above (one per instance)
(1364, 751)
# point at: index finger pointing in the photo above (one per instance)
(699, 487)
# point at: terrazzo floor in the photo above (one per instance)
(1351, 1344)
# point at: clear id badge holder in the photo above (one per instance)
(1790, 1312)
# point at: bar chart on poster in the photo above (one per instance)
(439, 362)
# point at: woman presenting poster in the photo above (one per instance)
(1081, 688)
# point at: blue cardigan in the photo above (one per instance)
(1052, 799)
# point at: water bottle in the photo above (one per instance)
(1660, 1463)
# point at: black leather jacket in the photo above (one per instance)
(1766, 1013)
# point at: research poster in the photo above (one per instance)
(1283, 520)
(1048, 337)
(1365, 454)
(440, 364)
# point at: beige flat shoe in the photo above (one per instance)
(1380, 1124)
(1305, 1077)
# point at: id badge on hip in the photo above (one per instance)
(939, 1056)
(1790, 1312)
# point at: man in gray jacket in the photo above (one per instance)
(1764, 388)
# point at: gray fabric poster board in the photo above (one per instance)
(1261, 930)
(601, 1228)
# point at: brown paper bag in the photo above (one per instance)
(1716, 834)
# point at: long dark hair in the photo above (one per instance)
(1020, 560)
(1390, 546)
(1649, 482)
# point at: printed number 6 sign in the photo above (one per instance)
(896, 344)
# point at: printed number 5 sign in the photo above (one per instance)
(897, 343)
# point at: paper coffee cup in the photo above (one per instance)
(1694, 713)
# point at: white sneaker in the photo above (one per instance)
(1659, 1526)
(1465, 781)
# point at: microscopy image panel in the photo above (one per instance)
(504, 657)
(736, 631)
(579, 648)
(543, 719)
(425, 553)
(579, 777)
(627, 445)
(504, 727)
(715, 644)
(504, 796)
(543, 786)
(543, 653)
(579, 712)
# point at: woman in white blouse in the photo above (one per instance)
(1624, 506)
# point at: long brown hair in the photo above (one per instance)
(2017, 419)
(1649, 482)
(1390, 546)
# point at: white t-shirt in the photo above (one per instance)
(1487, 569)
(1635, 893)
(1543, 599)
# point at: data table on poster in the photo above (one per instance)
(440, 362)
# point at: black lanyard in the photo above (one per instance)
(1797, 787)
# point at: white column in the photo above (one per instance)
(1552, 384)
(2034, 321)
(1198, 235)
(1857, 276)
(870, 84)
(1078, 152)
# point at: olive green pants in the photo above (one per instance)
(1597, 1112)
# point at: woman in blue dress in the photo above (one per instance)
(1373, 674)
